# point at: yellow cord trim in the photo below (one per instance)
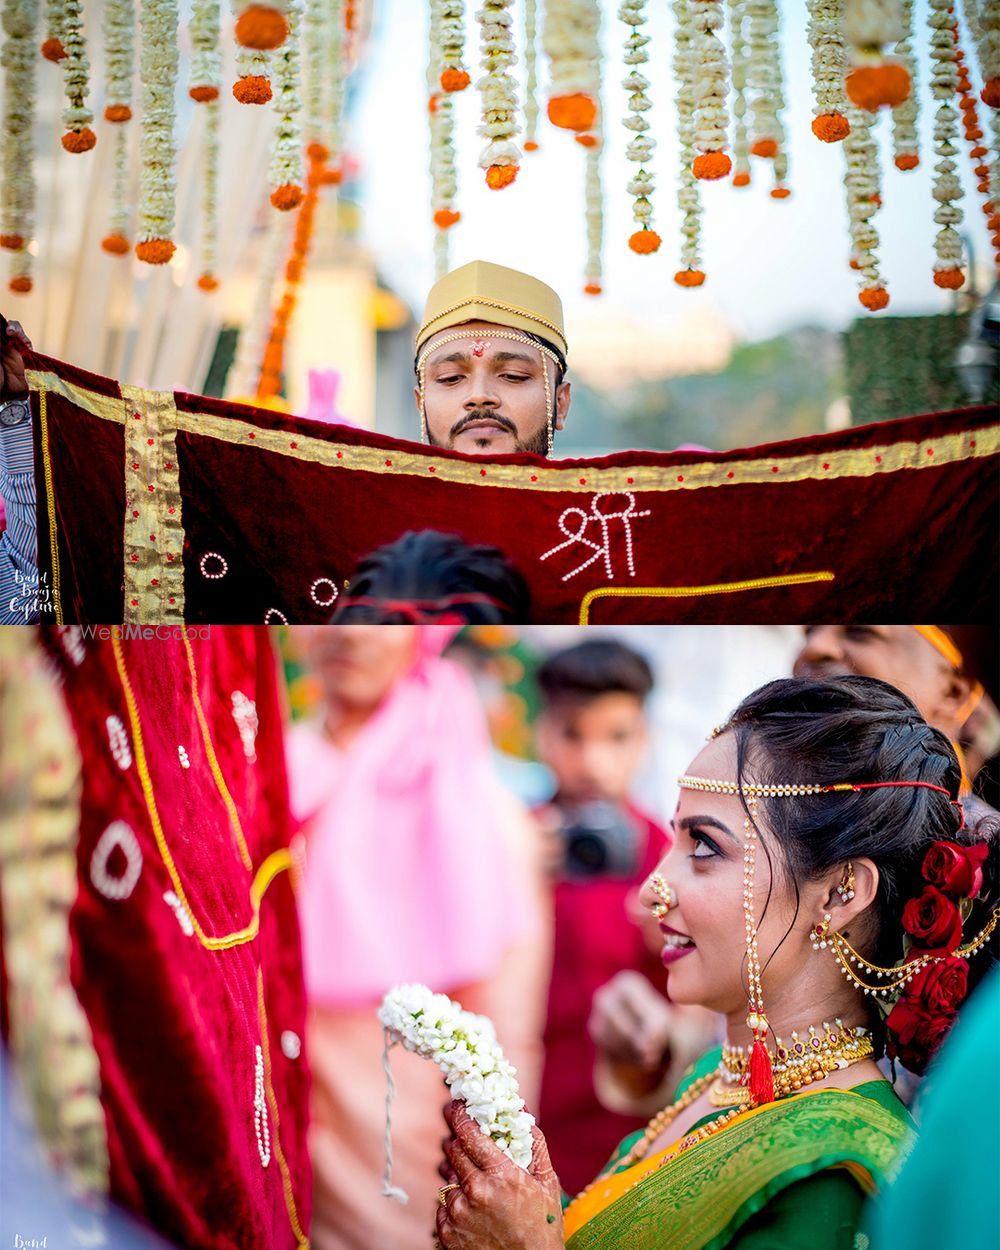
(278, 861)
(693, 592)
(50, 504)
(213, 762)
(272, 1102)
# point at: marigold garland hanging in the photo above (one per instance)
(55, 21)
(688, 192)
(905, 143)
(977, 153)
(764, 80)
(116, 241)
(286, 171)
(947, 185)
(569, 37)
(444, 178)
(829, 65)
(531, 109)
(875, 80)
(645, 240)
(262, 27)
(157, 148)
(208, 279)
(984, 27)
(501, 156)
(119, 35)
(738, 61)
(206, 55)
(710, 118)
(253, 84)
(17, 193)
(448, 17)
(862, 181)
(76, 116)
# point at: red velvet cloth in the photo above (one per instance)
(902, 515)
(593, 940)
(175, 1024)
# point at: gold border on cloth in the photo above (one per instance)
(696, 592)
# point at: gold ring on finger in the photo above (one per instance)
(443, 1190)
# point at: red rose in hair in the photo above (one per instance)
(933, 921)
(913, 1036)
(940, 986)
(958, 870)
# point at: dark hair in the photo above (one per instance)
(853, 729)
(428, 574)
(593, 668)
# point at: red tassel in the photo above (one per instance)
(761, 1074)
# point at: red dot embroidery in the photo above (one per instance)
(171, 599)
(534, 477)
(340, 455)
(251, 435)
(152, 538)
(135, 514)
(168, 465)
(169, 557)
(730, 473)
(630, 480)
(134, 558)
(293, 445)
(878, 459)
(154, 582)
(136, 416)
(482, 472)
(432, 468)
(136, 465)
(388, 464)
(972, 442)
(135, 602)
(930, 451)
(583, 481)
(171, 511)
(680, 477)
(774, 468)
(149, 442)
(826, 465)
(151, 488)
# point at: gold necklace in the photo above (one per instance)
(798, 1062)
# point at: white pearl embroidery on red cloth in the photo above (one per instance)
(116, 888)
(260, 1111)
(121, 752)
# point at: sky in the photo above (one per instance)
(771, 265)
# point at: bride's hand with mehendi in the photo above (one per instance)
(496, 1205)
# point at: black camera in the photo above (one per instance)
(601, 840)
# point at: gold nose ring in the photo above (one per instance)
(666, 896)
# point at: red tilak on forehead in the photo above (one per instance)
(479, 346)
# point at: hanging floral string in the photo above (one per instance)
(337, 69)
(448, 17)
(444, 178)
(875, 80)
(863, 201)
(287, 169)
(905, 144)
(76, 116)
(116, 241)
(710, 118)
(594, 193)
(253, 83)
(206, 55)
(55, 22)
(244, 375)
(207, 279)
(531, 109)
(764, 79)
(314, 79)
(17, 205)
(157, 148)
(738, 59)
(569, 37)
(829, 65)
(984, 27)
(947, 185)
(501, 156)
(688, 191)
(262, 27)
(644, 240)
(974, 137)
(119, 36)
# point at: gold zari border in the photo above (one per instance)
(694, 592)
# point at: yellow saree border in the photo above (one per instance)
(844, 1127)
(50, 505)
(694, 592)
(979, 443)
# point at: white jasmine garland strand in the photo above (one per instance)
(861, 180)
(711, 120)
(947, 189)
(569, 37)
(988, 51)
(314, 79)
(119, 44)
(19, 58)
(465, 1048)
(640, 149)
(531, 109)
(245, 372)
(688, 192)
(206, 55)
(829, 65)
(55, 24)
(287, 168)
(336, 63)
(441, 121)
(870, 24)
(449, 19)
(253, 63)
(501, 156)
(118, 218)
(905, 143)
(594, 213)
(764, 78)
(210, 197)
(157, 145)
(738, 59)
(76, 70)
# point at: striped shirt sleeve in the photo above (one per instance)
(19, 590)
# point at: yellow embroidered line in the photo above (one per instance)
(213, 762)
(286, 1179)
(50, 504)
(692, 592)
(278, 861)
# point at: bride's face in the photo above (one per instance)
(705, 943)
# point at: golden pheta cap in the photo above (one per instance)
(481, 291)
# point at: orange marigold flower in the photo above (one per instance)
(79, 140)
(871, 86)
(432, 104)
(874, 298)
(855, 263)
(261, 27)
(445, 217)
(573, 112)
(115, 244)
(454, 80)
(990, 93)
(155, 251)
(53, 50)
(203, 94)
(993, 221)
(909, 160)
(764, 147)
(780, 193)
(689, 277)
(742, 179)
(979, 151)
(982, 171)
(21, 285)
(950, 279)
(287, 196)
(531, 146)
(332, 176)
(208, 282)
(592, 288)
(12, 241)
(587, 141)
(831, 127)
(500, 176)
(711, 165)
(293, 270)
(644, 242)
(252, 89)
(117, 113)
(317, 151)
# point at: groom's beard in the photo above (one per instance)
(537, 445)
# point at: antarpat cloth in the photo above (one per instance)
(168, 507)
